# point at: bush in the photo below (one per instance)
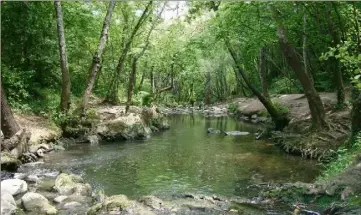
(284, 85)
(281, 108)
(232, 108)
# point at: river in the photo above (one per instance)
(185, 159)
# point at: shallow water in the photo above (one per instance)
(185, 159)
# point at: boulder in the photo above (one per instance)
(13, 186)
(71, 205)
(112, 204)
(37, 203)
(35, 147)
(32, 178)
(124, 127)
(60, 199)
(71, 184)
(93, 139)
(9, 162)
(8, 204)
(236, 133)
(151, 201)
(213, 131)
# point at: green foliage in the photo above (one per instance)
(285, 85)
(344, 158)
(232, 108)
(281, 108)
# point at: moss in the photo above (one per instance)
(94, 209)
(117, 201)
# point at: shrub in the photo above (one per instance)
(232, 108)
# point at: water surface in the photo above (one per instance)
(185, 159)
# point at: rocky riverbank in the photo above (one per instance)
(42, 192)
(107, 123)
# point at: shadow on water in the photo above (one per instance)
(185, 159)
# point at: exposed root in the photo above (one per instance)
(299, 139)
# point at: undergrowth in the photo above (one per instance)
(344, 158)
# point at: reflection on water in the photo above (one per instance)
(185, 159)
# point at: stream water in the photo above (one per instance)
(185, 159)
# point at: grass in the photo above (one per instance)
(344, 159)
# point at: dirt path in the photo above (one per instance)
(40, 128)
(296, 103)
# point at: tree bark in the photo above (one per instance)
(132, 79)
(9, 127)
(356, 116)
(263, 72)
(112, 96)
(65, 92)
(279, 120)
(337, 67)
(295, 62)
(208, 90)
(152, 84)
(94, 69)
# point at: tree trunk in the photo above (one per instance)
(279, 120)
(132, 79)
(112, 96)
(295, 62)
(9, 127)
(208, 91)
(263, 72)
(337, 67)
(356, 116)
(141, 82)
(152, 86)
(304, 49)
(94, 69)
(65, 92)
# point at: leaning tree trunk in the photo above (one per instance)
(279, 120)
(295, 62)
(9, 127)
(263, 72)
(112, 96)
(94, 69)
(65, 93)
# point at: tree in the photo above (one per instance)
(135, 59)
(279, 120)
(9, 127)
(295, 62)
(65, 93)
(337, 66)
(112, 96)
(96, 63)
(263, 72)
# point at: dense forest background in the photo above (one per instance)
(181, 60)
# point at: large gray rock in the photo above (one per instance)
(71, 184)
(93, 139)
(125, 127)
(37, 203)
(8, 204)
(237, 133)
(213, 131)
(14, 186)
(60, 199)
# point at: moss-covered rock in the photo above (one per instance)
(68, 184)
(9, 162)
(124, 127)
